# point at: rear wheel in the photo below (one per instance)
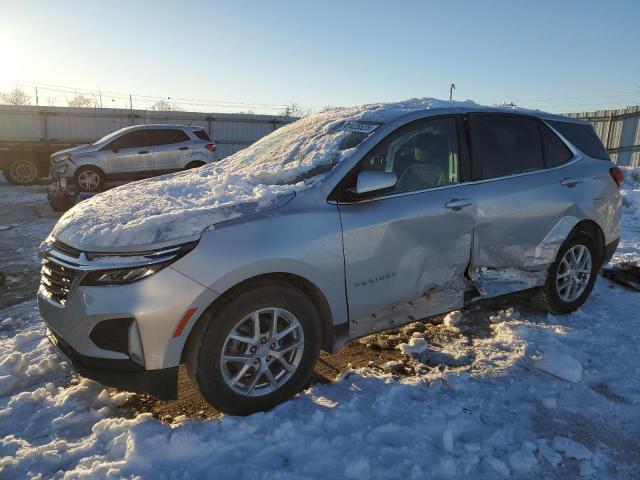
(571, 277)
(89, 179)
(22, 172)
(194, 165)
(257, 351)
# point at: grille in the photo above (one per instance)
(57, 280)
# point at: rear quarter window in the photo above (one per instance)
(583, 137)
(202, 135)
(556, 152)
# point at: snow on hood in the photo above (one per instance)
(182, 205)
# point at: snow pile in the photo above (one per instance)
(181, 205)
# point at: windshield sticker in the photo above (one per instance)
(360, 126)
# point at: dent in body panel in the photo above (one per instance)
(546, 251)
(494, 281)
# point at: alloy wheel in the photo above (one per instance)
(574, 272)
(262, 352)
(88, 180)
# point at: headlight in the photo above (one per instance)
(120, 269)
(121, 276)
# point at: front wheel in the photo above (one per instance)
(89, 179)
(257, 351)
(571, 277)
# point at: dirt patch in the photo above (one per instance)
(192, 405)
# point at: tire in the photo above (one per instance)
(194, 165)
(551, 297)
(22, 171)
(215, 377)
(89, 179)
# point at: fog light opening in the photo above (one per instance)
(135, 344)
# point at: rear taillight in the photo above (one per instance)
(211, 147)
(617, 175)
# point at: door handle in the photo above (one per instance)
(143, 152)
(458, 203)
(183, 148)
(570, 182)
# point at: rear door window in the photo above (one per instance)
(556, 152)
(202, 135)
(167, 136)
(582, 136)
(504, 145)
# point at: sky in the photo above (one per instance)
(560, 56)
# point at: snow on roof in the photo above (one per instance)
(181, 205)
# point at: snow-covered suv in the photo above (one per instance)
(344, 223)
(132, 153)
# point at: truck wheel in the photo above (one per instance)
(89, 179)
(22, 172)
(571, 277)
(256, 351)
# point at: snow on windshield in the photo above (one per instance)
(181, 205)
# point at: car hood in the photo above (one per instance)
(104, 223)
(77, 149)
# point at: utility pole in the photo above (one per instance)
(452, 87)
(133, 122)
(100, 96)
(37, 103)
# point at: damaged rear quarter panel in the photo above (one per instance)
(522, 222)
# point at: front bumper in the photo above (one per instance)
(120, 373)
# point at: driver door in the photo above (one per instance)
(406, 251)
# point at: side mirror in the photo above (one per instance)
(369, 182)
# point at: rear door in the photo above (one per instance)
(172, 148)
(130, 153)
(406, 251)
(529, 192)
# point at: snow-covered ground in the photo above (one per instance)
(511, 394)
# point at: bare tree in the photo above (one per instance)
(51, 101)
(17, 96)
(165, 106)
(80, 101)
(294, 110)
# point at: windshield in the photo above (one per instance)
(307, 148)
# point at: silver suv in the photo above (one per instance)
(132, 153)
(342, 224)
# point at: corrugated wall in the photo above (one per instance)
(232, 132)
(619, 130)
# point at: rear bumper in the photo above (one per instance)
(123, 374)
(609, 250)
